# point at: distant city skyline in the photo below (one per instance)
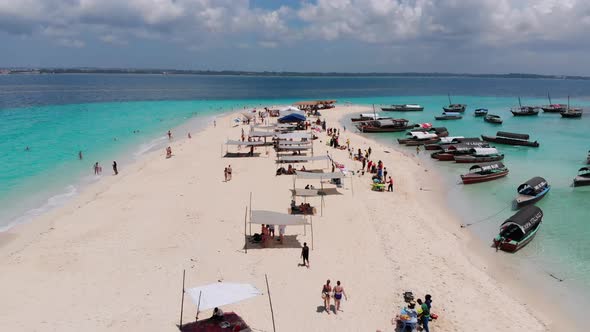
(486, 36)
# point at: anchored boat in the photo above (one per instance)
(583, 177)
(484, 172)
(449, 116)
(491, 118)
(480, 155)
(520, 229)
(403, 108)
(384, 126)
(532, 191)
(480, 112)
(504, 137)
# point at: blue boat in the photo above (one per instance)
(532, 191)
(480, 112)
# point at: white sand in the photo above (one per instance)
(112, 259)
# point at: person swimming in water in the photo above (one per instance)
(80, 154)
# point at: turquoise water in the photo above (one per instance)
(561, 246)
(50, 171)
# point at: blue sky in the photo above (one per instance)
(476, 36)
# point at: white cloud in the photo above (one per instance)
(73, 43)
(112, 39)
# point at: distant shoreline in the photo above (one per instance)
(38, 71)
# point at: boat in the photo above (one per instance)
(384, 126)
(480, 155)
(588, 158)
(572, 113)
(440, 131)
(583, 177)
(518, 230)
(524, 110)
(368, 117)
(503, 137)
(448, 141)
(449, 116)
(553, 108)
(403, 108)
(450, 152)
(492, 118)
(460, 108)
(419, 138)
(484, 172)
(531, 191)
(480, 112)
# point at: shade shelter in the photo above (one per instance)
(291, 118)
(296, 135)
(250, 144)
(221, 293)
(300, 158)
(264, 217)
(317, 176)
(305, 193)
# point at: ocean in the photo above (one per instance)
(121, 117)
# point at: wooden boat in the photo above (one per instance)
(450, 140)
(449, 116)
(419, 138)
(588, 158)
(503, 137)
(572, 113)
(480, 112)
(518, 230)
(369, 117)
(484, 172)
(384, 126)
(532, 191)
(460, 108)
(492, 118)
(524, 110)
(440, 131)
(480, 155)
(403, 108)
(553, 108)
(583, 177)
(454, 150)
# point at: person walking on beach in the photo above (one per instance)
(214, 124)
(305, 255)
(424, 316)
(369, 151)
(384, 173)
(417, 149)
(229, 171)
(338, 292)
(80, 154)
(169, 135)
(225, 174)
(115, 168)
(96, 168)
(326, 290)
(189, 135)
(390, 184)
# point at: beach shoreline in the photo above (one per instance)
(115, 208)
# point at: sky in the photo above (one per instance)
(456, 36)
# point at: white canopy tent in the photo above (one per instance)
(317, 176)
(284, 159)
(290, 110)
(295, 135)
(259, 133)
(263, 217)
(220, 294)
(285, 142)
(244, 143)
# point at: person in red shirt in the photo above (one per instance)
(390, 186)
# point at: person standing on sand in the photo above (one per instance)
(214, 124)
(229, 171)
(305, 255)
(96, 167)
(189, 135)
(338, 292)
(115, 168)
(326, 290)
(384, 173)
(369, 151)
(225, 174)
(390, 184)
(424, 316)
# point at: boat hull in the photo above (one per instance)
(580, 181)
(477, 178)
(366, 129)
(553, 110)
(402, 109)
(442, 156)
(423, 142)
(493, 120)
(514, 246)
(571, 115)
(448, 117)
(477, 159)
(460, 109)
(524, 200)
(509, 141)
(524, 113)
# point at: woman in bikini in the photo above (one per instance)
(326, 290)
(338, 292)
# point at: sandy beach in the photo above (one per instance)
(112, 258)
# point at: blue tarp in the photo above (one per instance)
(292, 118)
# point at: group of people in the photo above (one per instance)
(227, 172)
(413, 315)
(267, 234)
(98, 169)
(303, 208)
(337, 293)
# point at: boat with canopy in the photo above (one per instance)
(492, 118)
(480, 155)
(480, 112)
(449, 116)
(454, 107)
(583, 177)
(520, 229)
(484, 172)
(532, 191)
(503, 137)
(403, 108)
(384, 126)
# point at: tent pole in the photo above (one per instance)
(182, 301)
(351, 185)
(311, 222)
(245, 236)
(272, 314)
(250, 214)
(198, 306)
(304, 226)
